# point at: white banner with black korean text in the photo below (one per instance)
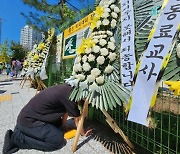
(127, 53)
(152, 61)
(59, 47)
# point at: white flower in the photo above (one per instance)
(116, 9)
(105, 6)
(114, 15)
(94, 87)
(100, 80)
(91, 78)
(104, 52)
(108, 69)
(112, 56)
(100, 60)
(104, 36)
(110, 2)
(84, 58)
(105, 22)
(35, 70)
(93, 34)
(109, 33)
(112, 6)
(113, 23)
(107, 10)
(77, 67)
(35, 46)
(95, 40)
(91, 58)
(96, 72)
(73, 73)
(88, 50)
(98, 24)
(86, 67)
(105, 15)
(111, 45)
(101, 3)
(96, 37)
(102, 42)
(81, 77)
(112, 39)
(96, 49)
(78, 59)
(101, 32)
(178, 50)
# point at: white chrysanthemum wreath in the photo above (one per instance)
(96, 68)
(35, 59)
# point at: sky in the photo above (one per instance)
(13, 21)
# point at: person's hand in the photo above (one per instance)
(87, 132)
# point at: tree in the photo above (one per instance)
(18, 52)
(60, 15)
(4, 50)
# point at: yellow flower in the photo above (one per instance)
(151, 33)
(36, 57)
(41, 46)
(174, 86)
(80, 49)
(99, 11)
(94, 22)
(29, 54)
(25, 63)
(88, 43)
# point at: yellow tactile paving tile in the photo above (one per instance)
(6, 97)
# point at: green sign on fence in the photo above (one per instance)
(70, 46)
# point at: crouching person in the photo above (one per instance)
(38, 124)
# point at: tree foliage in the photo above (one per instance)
(17, 51)
(4, 50)
(60, 15)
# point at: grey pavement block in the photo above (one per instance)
(6, 105)
(6, 119)
(29, 152)
(97, 146)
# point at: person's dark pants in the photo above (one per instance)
(46, 137)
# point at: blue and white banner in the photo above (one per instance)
(152, 62)
(127, 53)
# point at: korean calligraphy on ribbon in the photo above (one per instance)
(127, 54)
(152, 61)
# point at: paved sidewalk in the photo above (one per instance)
(9, 111)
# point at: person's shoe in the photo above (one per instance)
(9, 147)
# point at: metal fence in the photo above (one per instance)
(163, 135)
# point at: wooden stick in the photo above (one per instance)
(38, 87)
(42, 84)
(80, 125)
(116, 129)
(30, 83)
(23, 82)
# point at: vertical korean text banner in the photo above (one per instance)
(152, 62)
(59, 47)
